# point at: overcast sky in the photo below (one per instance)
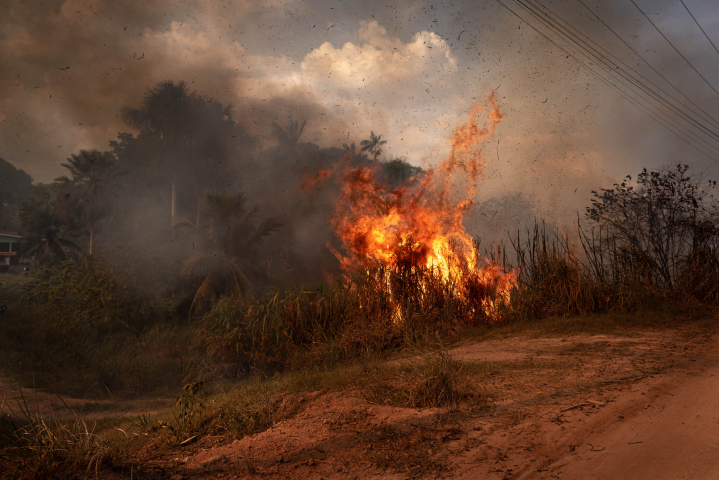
(407, 70)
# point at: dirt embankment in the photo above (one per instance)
(592, 407)
(637, 406)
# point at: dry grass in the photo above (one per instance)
(432, 380)
(35, 447)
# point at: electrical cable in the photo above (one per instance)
(700, 27)
(615, 69)
(552, 24)
(675, 48)
(631, 99)
(708, 116)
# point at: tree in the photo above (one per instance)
(289, 137)
(39, 219)
(48, 245)
(15, 187)
(373, 145)
(355, 155)
(665, 215)
(229, 239)
(91, 190)
(399, 171)
(186, 139)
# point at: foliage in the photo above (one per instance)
(433, 380)
(399, 171)
(82, 331)
(373, 145)
(665, 216)
(82, 293)
(38, 447)
(90, 193)
(47, 246)
(45, 230)
(15, 187)
(363, 314)
(39, 211)
(229, 238)
(184, 138)
(288, 137)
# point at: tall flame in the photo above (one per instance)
(424, 215)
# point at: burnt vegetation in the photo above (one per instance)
(188, 252)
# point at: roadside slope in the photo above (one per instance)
(638, 405)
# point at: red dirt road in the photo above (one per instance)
(665, 427)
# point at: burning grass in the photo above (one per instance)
(365, 314)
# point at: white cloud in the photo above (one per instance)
(383, 84)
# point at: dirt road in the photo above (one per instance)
(664, 427)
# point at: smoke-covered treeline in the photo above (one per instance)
(188, 168)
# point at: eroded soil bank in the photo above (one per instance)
(640, 405)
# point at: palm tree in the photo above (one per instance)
(160, 118)
(229, 238)
(38, 217)
(181, 133)
(373, 145)
(46, 245)
(91, 189)
(288, 138)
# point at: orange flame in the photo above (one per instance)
(373, 221)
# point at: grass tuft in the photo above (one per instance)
(35, 447)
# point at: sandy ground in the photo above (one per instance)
(639, 406)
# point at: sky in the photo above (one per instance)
(409, 71)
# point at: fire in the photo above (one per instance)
(419, 224)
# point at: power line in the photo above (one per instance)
(609, 84)
(614, 70)
(579, 39)
(675, 48)
(700, 27)
(709, 117)
(634, 101)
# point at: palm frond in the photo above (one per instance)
(244, 287)
(228, 279)
(266, 228)
(202, 265)
(53, 248)
(134, 118)
(210, 287)
(62, 242)
(33, 251)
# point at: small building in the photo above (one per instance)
(9, 251)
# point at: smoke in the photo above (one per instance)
(408, 71)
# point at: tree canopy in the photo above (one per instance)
(15, 187)
(90, 192)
